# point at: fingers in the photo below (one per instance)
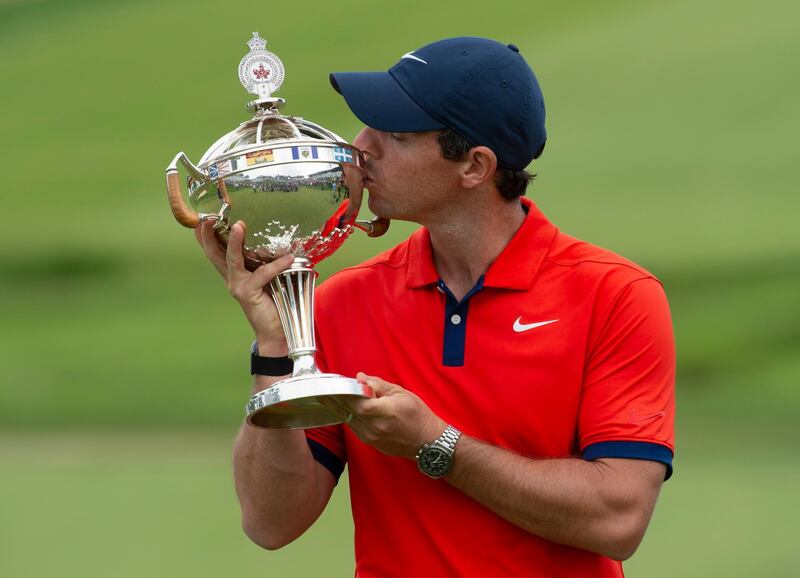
(368, 408)
(229, 262)
(267, 271)
(379, 386)
(233, 254)
(374, 406)
(208, 241)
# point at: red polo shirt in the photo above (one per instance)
(562, 349)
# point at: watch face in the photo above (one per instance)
(434, 462)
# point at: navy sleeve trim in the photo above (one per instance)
(327, 458)
(632, 450)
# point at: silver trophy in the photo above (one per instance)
(298, 188)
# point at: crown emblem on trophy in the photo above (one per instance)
(261, 72)
(256, 43)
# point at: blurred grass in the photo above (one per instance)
(672, 134)
(152, 505)
(161, 505)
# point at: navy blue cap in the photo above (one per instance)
(481, 89)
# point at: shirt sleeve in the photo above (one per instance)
(628, 398)
(327, 443)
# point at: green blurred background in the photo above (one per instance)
(123, 362)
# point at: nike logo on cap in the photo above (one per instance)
(410, 56)
(520, 327)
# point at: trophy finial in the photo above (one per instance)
(256, 43)
(260, 71)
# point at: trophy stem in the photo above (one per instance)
(304, 364)
(298, 401)
(293, 293)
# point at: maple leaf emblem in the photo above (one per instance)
(261, 72)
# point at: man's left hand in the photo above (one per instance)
(395, 421)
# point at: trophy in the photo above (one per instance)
(298, 187)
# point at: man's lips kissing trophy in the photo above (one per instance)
(298, 188)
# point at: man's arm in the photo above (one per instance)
(602, 506)
(282, 489)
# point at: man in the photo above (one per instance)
(522, 424)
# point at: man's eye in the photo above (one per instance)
(395, 136)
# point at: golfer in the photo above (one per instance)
(524, 379)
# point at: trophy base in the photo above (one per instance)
(293, 403)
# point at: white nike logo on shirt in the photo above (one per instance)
(520, 327)
(410, 56)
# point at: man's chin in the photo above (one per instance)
(380, 209)
(375, 207)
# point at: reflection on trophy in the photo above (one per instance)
(298, 188)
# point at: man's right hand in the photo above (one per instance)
(282, 489)
(249, 289)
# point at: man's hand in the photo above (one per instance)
(602, 506)
(395, 421)
(249, 289)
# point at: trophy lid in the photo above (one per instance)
(262, 73)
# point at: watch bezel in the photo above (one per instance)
(432, 470)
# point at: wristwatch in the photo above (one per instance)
(436, 458)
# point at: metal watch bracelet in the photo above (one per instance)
(449, 437)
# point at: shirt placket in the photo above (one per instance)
(455, 324)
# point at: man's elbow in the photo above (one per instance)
(266, 537)
(624, 536)
(620, 552)
(628, 500)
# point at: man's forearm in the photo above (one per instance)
(588, 505)
(280, 486)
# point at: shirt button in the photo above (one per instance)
(455, 319)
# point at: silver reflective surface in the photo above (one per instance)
(294, 196)
(298, 188)
(294, 403)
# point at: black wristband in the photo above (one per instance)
(272, 366)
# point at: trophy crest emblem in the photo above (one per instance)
(298, 187)
(260, 71)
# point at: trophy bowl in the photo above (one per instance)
(298, 188)
(297, 194)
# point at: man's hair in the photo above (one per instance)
(510, 183)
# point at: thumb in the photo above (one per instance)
(264, 274)
(379, 386)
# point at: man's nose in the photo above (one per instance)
(366, 142)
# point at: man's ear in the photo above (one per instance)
(479, 165)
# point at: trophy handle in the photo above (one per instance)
(183, 214)
(374, 228)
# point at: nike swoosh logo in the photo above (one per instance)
(410, 56)
(520, 327)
